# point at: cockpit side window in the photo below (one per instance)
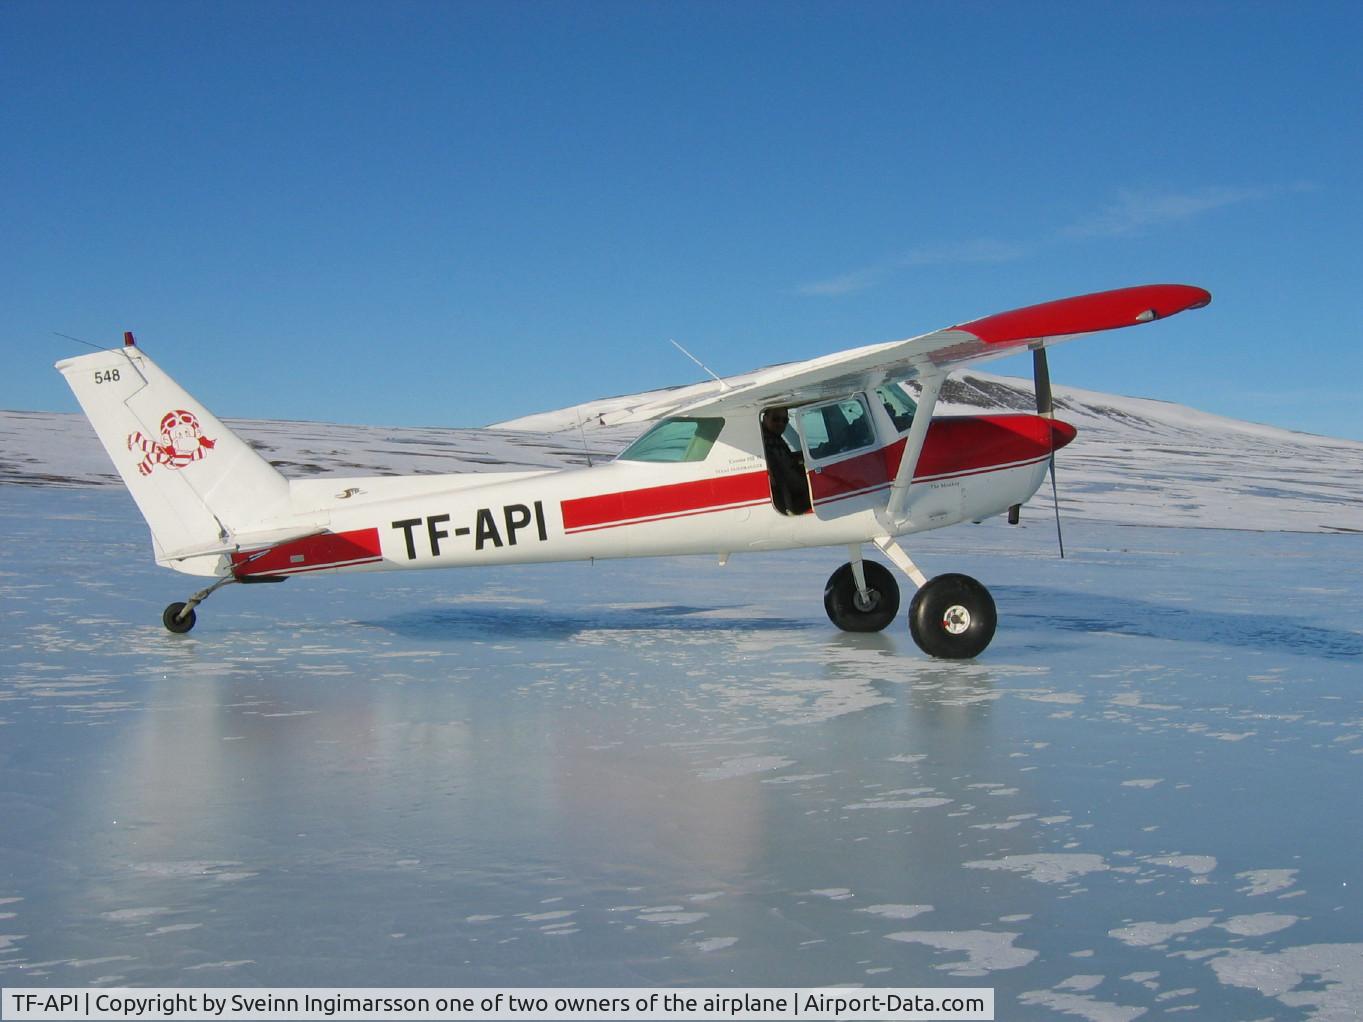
(675, 440)
(836, 428)
(898, 405)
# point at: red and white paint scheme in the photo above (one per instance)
(834, 451)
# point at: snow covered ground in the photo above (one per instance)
(1141, 802)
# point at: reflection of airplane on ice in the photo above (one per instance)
(828, 452)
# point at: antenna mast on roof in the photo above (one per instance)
(583, 434)
(722, 384)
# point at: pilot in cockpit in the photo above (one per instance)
(786, 468)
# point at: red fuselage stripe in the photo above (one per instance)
(934, 479)
(313, 553)
(670, 517)
(956, 446)
(665, 501)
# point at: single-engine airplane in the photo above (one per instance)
(833, 451)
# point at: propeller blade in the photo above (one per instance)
(1055, 500)
(1041, 374)
(1045, 405)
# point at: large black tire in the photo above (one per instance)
(952, 617)
(170, 617)
(848, 611)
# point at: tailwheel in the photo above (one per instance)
(952, 617)
(854, 611)
(178, 618)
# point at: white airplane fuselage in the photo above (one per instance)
(971, 468)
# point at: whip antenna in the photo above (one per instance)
(583, 434)
(698, 362)
(79, 341)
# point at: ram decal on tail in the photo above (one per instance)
(182, 442)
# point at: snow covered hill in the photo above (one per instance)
(1136, 461)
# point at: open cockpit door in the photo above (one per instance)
(844, 456)
(853, 446)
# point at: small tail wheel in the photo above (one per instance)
(952, 617)
(174, 622)
(852, 612)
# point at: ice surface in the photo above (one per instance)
(1140, 800)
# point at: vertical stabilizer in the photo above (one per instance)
(194, 480)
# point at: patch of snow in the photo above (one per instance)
(1052, 868)
(1151, 934)
(1266, 881)
(1258, 924)
(985, 950)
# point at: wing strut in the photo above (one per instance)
(913, 447)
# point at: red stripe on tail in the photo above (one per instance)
(330, 550)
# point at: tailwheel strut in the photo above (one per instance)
(180, 617)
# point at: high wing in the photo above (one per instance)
(934, 353)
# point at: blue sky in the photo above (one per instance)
(449, 214)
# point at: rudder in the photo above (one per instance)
(194, 480)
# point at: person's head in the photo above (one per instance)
(774, 420)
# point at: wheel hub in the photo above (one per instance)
(866, 603)
(956, 620)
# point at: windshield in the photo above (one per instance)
(675, 440)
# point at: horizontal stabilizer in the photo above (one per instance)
(237, 542)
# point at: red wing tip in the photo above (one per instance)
(1103, 310)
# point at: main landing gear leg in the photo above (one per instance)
(861, 596)
(180, 617)
(951, 616)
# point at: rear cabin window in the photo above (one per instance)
(675, 440)
(837, 428)
(898, 405)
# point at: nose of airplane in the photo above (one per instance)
(1061, 434)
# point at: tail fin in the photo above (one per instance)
(194, 480)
